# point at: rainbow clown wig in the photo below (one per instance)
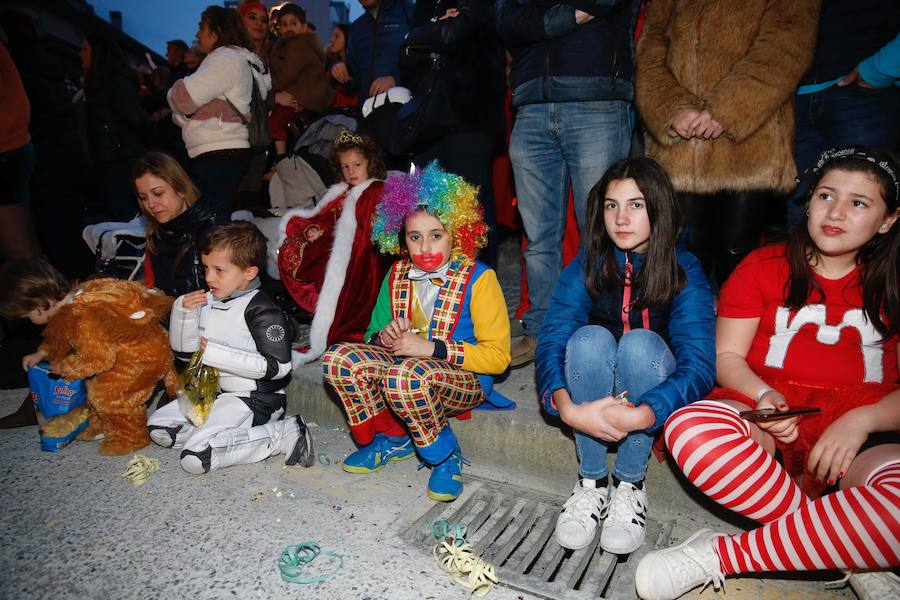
(448, 197)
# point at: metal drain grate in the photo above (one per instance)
(512, 528)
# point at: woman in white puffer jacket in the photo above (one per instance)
(203, 105)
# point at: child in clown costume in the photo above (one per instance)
(438, 334)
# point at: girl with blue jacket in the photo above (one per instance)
(631, 313)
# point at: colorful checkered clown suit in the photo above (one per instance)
(376, 388)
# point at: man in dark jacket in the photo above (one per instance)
(373, 51)
(572, 80)
(836, 106)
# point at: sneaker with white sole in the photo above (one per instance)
(876, 585)
(624, 528)
(670, 573)
(302, 452)
(581, 515)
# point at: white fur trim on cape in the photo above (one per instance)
(335, 270)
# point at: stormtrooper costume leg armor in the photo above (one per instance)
(248, 341)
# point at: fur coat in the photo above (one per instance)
(739, 59)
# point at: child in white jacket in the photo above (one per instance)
(248, 339)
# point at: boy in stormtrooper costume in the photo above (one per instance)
(247, 337)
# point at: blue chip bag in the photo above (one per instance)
(59, 405)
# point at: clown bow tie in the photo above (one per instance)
(435, 277)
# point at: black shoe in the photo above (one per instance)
(302, 454)
(24, 417)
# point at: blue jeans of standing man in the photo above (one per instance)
(597, 366)
(553, 144)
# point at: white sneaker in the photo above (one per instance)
(670, 573)
(876, 585)
(624, 528)
(581, 515)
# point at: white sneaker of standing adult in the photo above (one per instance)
(581, 515)
(624, 528)
(670, 573)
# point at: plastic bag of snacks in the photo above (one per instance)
(198, 386)
(59, 406)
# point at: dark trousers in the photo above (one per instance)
(721, 228)
(468, 154)
(217, 175)
(838, 117)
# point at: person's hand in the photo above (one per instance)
(582, 17)
(340, 73)
(855, 77)
(630, 418)
(284, 98)
(382, 84)
(29, 360)
(838, 445)
(705, 126)
(392, 331)
(411, 344)
(194, 300)
(203, 341)
(451, 12)
(591, 418)
(783, 430)
(682, 120)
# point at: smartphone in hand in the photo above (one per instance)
(773, 414)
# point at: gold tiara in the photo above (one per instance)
(349, 138)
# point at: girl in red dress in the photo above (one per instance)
(326, 258)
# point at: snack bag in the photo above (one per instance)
(59, 405)
(198, 386)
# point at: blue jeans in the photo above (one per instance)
(596, 367)
(552, 145)
(842, 116)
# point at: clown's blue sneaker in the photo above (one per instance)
(445, 483)
(378, 453)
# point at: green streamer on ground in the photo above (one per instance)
(295, 558)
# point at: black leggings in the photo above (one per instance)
(721, 228)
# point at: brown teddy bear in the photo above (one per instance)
(110, 334)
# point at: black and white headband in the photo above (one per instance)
(876, 158)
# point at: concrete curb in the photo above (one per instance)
(522, 446)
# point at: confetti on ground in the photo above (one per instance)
(139, 469)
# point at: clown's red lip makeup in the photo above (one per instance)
(428, 262)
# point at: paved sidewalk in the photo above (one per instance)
(72, 528)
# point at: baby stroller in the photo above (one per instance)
(118, 247)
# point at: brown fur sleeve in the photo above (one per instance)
(93, 354)
(767, 76)
(57, 334)
(658, 94)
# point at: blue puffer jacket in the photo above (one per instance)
(686, 323)
(556, 60)
(374, 47)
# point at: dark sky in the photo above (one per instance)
(153, 22)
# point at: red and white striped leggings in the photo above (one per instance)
(854, 528)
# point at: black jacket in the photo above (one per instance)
(174, 258)
(468, 51)
(849, 32)
(556, 60)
